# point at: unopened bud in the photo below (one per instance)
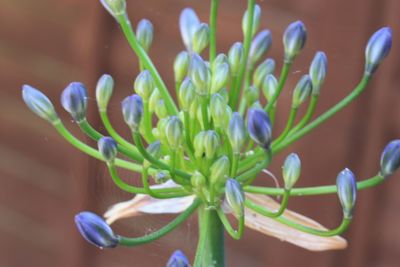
(153, 100)
(211, 144)
(198, 180)
(291, 170)
(74, 100)
(200, 75)
(145, 33)
(174, 132)
(161, 109)
(114, 7)
(219, 170)
(188, 23)
(132, 111)
(269, 86)
(235, 57)
(259, 127)
(39, 104)
(201, 38)
(154, 149)
(178, 259)
(252, 95)
(256, 20)
(318, 70)
(220, 77)
(265, 68)
(104, 90)
(235, 197)
(108, 148)
(144, 85)
(302, 91)
(294, 39)
(377, 49)
(181, 65)
(347, 191)
(198, 144)
(217, 109)
(186, 94)
(390, 158)
(218, 61)
(237, 132)
(261, 43)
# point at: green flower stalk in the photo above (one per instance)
(203, 157)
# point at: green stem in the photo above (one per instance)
(243, 101)
(147, 123)
(158, 193)
(282, 80)
(186, 120)
(130, 242)
(289, 125)
(309, 113)
(311, 191)
(246, 49)
(91, 151)
(235, 162)
(212, 230)
(272, 214)
(123, 20)
(248, 176)
(213, 29)
(119, 139)
(235, 234)
(325, 116)
(204, 112)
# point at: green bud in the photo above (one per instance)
(198, 180)
(265, 68)
(235, 57)
(269, 86)
(211, 144)
(160, 133)
(225, 94)
(186, 94)
(144, 33)
(154, 149)
(174, 132)
(235, 197)
(237, 132)
(200, 74)
(144, 85)
(318, 71)
(181, 65)
(220, 77)
(201, 38)
(302, 91)
(194, 107)
(161, 109)
(219, 170)
(252, 95)
(198, 144)
(188, 24)
(256, 20)
(217, 109)
(39, 104)
(104, 90)
(114, 7)
(154, 98)
(261, 43)
(291, 170)
(219, 60)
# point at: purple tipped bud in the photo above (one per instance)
(259, 127)
(144, 33)
(188, 23)
(104, 90)
(235, 197)
(218, 61)
(264, 69)
(187, 94)
(181, 65)
(318, 70)
(237, 132)
(154, 149)
(390, 158)
(291, 170)
(95, 230)
(132, 110)
(144, 85)
(201, 37)
(269, 86)
(235, 57)
(261, 43)
(74, 100)
(220, 77)
(256, 20)
(200, 74)
(39, 104)
(377, 49)
(114, 7)
(108, 148)
(178, 259)
(211, 144)
(302, 91)
(294, 39)
(347, 191)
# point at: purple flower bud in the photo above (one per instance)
(259, 126)
(178, 259)
(347, 191)
(132, 110)
(114, 7)
(144, 33)
(74, 100)
(261, 43)
(39, 104)
(294, 39)
(291, 170)
(108, 148)
(95, 230)
(302, 91)
(188, 23)
(318, 71)
(377, 49)
(235, 197)
(390, 158)
(256, 20)
(237, 132)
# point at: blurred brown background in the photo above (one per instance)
(45, 182)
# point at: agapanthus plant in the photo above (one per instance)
(200, 154)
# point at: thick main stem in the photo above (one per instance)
(212, 230)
